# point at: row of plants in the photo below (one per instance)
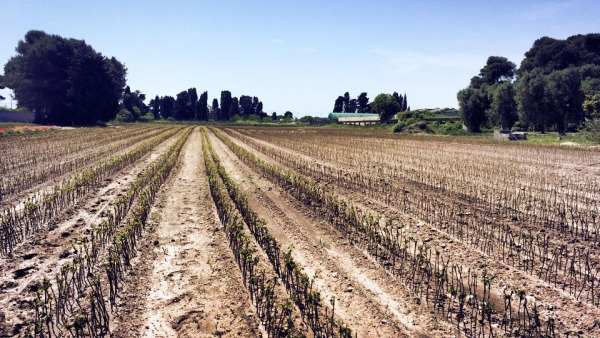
(21, 180)
(299, 285)
(275, 314)
(456, 293)
(20, 221)
(566, 266)
(80, 299)
(32, 150)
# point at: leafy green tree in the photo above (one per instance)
(473, 104)
(156, 107)
(259, 110)
(215, 111)
(235, 107)
(503, 110)
(565, 98)
(386, 106)
(193, 95)
(346, 108)
(532, 101)
(246, 105)
(202, 109)
(338, 106)
(274, 116)
(497, 69)
(64, 81)
(225, 105)
(288, 115)
(181, 110)
(167, 103)
(591, 106)
(362, 103)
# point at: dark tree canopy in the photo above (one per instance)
(386, 106)
(202, 110)
(235, 107)
(155, 104)
(166, 106)
(214, 109)
(182, 109)
(497, 69)
(338, 106)
(473, 104)
(363, 103)
(225, 105)
(64, 81)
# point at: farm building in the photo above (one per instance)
(353, 118)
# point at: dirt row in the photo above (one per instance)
(47, 251)
(367, 297)
(186, 282)
(553, 302)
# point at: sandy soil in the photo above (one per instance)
(551, 300)
(48, 250)
(192, 287)
(367, 297)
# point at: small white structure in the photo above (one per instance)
(508, 135)
(359, 120)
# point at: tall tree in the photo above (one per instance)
(225, 105)
(181, 111)
(405, 106)
(166, 106)
(156, 108)
(246, 105)
(203, 107)
(347, 106)
(64, 81)
(338, 106)
(215, 111)
(532, 100)
(386, 106)
(565, 98)
(259, 109)
(363, 103)
(193, 95)
(503, 110)
(473, 104)
(235, 107)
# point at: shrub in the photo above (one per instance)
(592, 130)
(125, 116)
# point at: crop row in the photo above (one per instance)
(25, 179)
(568, 267)
(74, 301)
(454, 292)
(298, 284)
(32, 150)
(275, 314)
(18, 222)
(513, 182)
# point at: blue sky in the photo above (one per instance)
(300, 55)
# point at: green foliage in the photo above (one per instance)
(386, 106)
(149, 117)
(338, 106)
(591, 106)
(592, 130)
(473, 104)
(497, 69)
(125, 116)
(503, 109)
(166, 107)
(64, 81)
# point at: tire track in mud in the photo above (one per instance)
(367, 297)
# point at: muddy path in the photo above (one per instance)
(187, 283)
(49, 249)
(367, 297)
(551, 300)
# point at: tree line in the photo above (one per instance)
(65, 81)
(556, 87)
(361, 104)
